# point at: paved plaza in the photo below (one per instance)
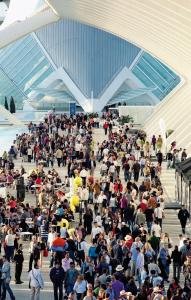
(170, 224)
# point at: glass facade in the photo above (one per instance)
(23, 66)
(152, 73)
(91, 57)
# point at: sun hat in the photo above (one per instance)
(128, 237)
(119, 268)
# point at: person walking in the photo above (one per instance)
(183, 216)
(176, 257)
(34, 251)
(18, 259)
(159, 214)
(58, 155)
(9, 244)
(57, 275)
(6, 278)
(70, 279)
(36, 282)
(80, 287)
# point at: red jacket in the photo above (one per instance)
(118, 187)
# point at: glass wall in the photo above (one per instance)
(153, 73)
(23, 66)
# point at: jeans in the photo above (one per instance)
(133, 267)
(127, 176)
(35, 293)
(139, 277)
(168, 165)
(9, 250)
(130, 224)
(69, 288)
(142, 173)
(149, 225)
(6, 288)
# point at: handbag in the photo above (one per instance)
(45, 252)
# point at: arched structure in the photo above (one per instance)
(161, 27)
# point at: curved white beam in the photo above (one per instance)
(160, 27)
(18, 29)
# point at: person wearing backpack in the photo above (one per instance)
(57, 275)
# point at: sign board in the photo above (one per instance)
(72, 108)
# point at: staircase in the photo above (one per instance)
(10, 117)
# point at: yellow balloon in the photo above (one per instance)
(75, 200)
(78, 181)
(32, 171)
(64, 223)
(75, 188)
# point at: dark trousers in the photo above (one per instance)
(9, 250)
(84, 181)
(176, 270)
(59, 161)
(81, 256)
(79, 296)
(183, 225)
(31, 259)
(88, 228)
(18, 271)
(58, 291)
(136, 176)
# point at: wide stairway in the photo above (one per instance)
(9, 117)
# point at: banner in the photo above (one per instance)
(72, 108)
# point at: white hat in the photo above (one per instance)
(119, 268)
(128, 238)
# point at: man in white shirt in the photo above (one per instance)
(158, 212)
(51, 237)
(156, 228)
(181, 241)
(78, 148)
(83, 175)
(95, 230)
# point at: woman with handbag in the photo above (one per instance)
(36, 282)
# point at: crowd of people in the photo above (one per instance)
(98, 216)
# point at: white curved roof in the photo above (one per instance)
(161, 27)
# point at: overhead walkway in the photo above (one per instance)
(10, 117)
